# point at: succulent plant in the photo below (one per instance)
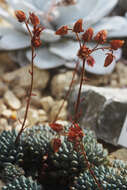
(52, 16)
(108, 177)
(22, 183)
(63, 165)
(9, 151)
(11, 172)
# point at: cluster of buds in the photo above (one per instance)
(37, 29)
(85, 52)
(74, 135)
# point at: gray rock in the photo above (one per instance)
(103, 110)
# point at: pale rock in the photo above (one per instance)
(6, 113)
(42, 115)
(103, 110)
(19, 92)
(3, 124)
(120, 154)
(55, 109)
(47, 103)
(60, 83)
(3, 88)
(11, 100)
(32, 115)
(35, 99)
(2, 106)
(18, 124)
(22, 77)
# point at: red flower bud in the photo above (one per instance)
(36, 42)
(90, 61)
(77, 28)
(101, 37)
(20, 15)
(87, 36)
(56, 143)
(115, 44)
(108, 59)
(56, 127)
(62, 30)
(83, 52)
(34, 19)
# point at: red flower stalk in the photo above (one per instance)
(62, 30)
(20, 15)
(77, 28)
(101, 37)
(116, 44)
(87, 36)
(35, 42)
(56, 143)
(56, 127)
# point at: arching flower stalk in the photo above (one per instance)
(35, 43)
(75, 133)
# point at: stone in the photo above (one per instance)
(55, 109)
(19, 92)
(3, 88)
(61, 82)
(3, 124)
(32, 115)
(42, 115)
(120, 154)
(11, 100)
(47, 103)
(22, 78)
(103, 110)
(6, 113)
(35, 100)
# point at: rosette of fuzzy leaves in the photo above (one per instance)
(22, 183)
(68, 162)
(108, 177)
(95, 152)
(11, 172)
(9, 150)
(35, 146)
(63, 165)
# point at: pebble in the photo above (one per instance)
(55, 109)
(3, 88)
(11, 100)
(60, 83)
(47, 103)
(19, 92)
(6, 113)
(22, 78)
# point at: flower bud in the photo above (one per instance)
(108, 59)
(62, 30)
(34, 19)
(83, 52)
(77, 28)
(101, 37)
(90, 61)
(115, 44)
(36, 42)
(87, 36)
(20, 15)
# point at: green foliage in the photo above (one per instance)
(22, 183)
(34, 157)
(9, 151)
(10, 172)
(108, 177)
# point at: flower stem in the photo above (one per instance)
(79, 92)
